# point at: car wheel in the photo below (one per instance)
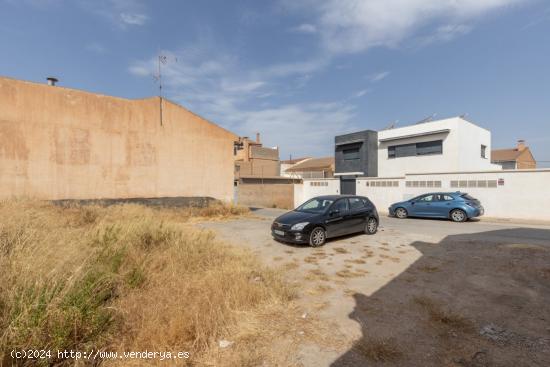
(317, 237)
(401, 213)
(458, 215)
(372, 226)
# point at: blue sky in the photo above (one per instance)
(301, 71)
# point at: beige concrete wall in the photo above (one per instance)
(59, 143)
(257, 168)
(267, 195)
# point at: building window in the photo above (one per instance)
(483, 151)
(351, 154)
(411, 150)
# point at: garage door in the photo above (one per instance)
(347, 186)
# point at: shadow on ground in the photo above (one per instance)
(465, 302)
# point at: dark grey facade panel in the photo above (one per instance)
(357, 152)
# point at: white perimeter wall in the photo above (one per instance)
(524, 195)
(312, 188)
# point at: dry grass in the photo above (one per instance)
(355, 261)
(291, 265)
(341, 250)
(130, 278)
(394, 259)
(317, 274)
(311, 260)
(378, 350)
(346, 273)
(319, 289)
(442, 317)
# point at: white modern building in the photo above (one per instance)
(449, 145)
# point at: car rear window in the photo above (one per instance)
(356, 203)
(468, 197)
(367, 202)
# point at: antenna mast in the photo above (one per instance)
(162, 60)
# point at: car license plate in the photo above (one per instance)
(280, 233)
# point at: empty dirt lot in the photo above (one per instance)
(418, 293)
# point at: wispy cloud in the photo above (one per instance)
(122, 13)
(305, 28)
(133, 18)
(376, 77)
(445, 33)
(96, 47)
(235, 97)
(361, 93)
(542, 17)
(348, 26)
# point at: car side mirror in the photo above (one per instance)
(334, 212)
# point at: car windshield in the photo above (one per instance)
(317, 205)
(468, 197)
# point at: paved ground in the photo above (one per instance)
(419, 292)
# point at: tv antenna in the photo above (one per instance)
(391, 126)
(161, 60)
(427, 119)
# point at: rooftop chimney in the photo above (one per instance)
(521, 145)
(257, 137)
(51, 80)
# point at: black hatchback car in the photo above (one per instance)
(324, 217)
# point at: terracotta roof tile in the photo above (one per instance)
(500, 155)
(294, 160)
(313, 164)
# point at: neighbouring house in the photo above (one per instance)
(252, 159)
(313, 168)
(258, 180)
(62, 143)
(449, 145)
(286, 164)
(519, 157)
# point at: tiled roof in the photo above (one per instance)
(313, 164)
(294, 160)
(505, 155)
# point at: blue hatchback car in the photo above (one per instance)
(457, 206)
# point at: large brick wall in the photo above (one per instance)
(266, 195)
(59, 143)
